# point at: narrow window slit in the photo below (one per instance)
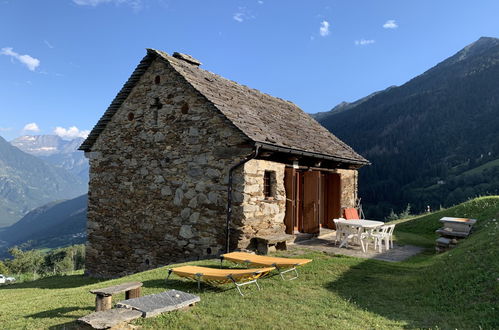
(269, 185)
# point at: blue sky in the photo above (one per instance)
(63, 61)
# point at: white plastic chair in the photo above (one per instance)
(339, 232)
(384, 233)
(348, 232)
(389, 234)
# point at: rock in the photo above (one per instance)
(212, 173)
(179, 195)
(195, 172)
(213, 197)
(185, 213)
(159, 137)
(111, 318)
(193, 131)
(194, 217)
(166, 191)
(200, 186)
(155, 304)
(190, 194)
(186, 231)
(193, 203)
(202, 199)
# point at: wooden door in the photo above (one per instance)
(290, 219)
(322, 200)
(311, 197)
(332, 199)
(299, 202)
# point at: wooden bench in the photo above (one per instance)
(104, 297)
(278, 242)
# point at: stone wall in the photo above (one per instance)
(348, 187)
(158, 181)
(158, 178)
(254, 214)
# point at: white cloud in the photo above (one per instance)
(260, 2)
(5, 129)
(324, 29)
(390, 24)
(238, 17)
(364, 42)
(71, 132)
(243, 14)
(31, 127)
(31, 62)
(48, 44)
(135, 4)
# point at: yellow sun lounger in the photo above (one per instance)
(208, 275)
(266, 261)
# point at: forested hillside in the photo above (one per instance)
(53, 225)
(27, 182)
(432, 141)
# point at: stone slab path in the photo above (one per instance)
(326, 244)
(155, 304)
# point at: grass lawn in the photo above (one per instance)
(457, 289)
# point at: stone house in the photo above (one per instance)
(177, 141)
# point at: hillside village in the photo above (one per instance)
(197, 201)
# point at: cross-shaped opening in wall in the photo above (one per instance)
(156, 106)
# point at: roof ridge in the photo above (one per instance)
(164, 54)
(257, 115)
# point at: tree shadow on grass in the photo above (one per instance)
(64, 312)
(55, 282)
(392, 290)
(186, 286)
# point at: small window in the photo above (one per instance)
(157, 80)
(155, 116)
(131, 116)
(269, 183)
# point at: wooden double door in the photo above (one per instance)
(313, 199)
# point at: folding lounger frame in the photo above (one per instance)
(279, 269)
(198, 279)
(282, 270)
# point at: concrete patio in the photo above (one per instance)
(325, 243)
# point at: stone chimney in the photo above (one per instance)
(187, 58)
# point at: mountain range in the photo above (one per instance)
(52, 225)
(433, 141)
(56, 151)
(28, 182)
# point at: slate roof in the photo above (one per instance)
(261, 117)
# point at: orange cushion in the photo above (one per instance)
(351, 213)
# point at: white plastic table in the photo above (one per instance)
(362, 225)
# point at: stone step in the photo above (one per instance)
(447, 233)
(116, 318)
